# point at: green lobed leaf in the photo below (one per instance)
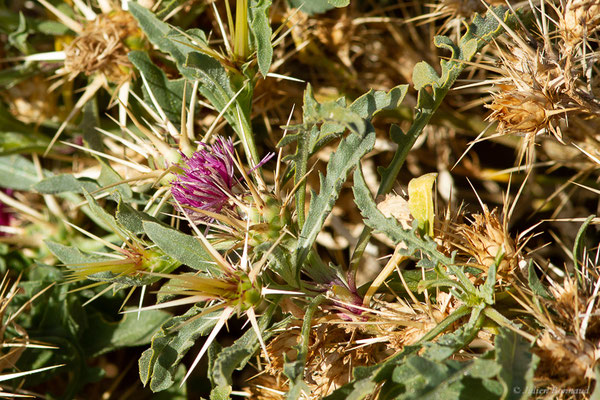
(346, 157)
(370, 103)
(178, 391)
(517, 363)
(158, 364)
(479, 33)
(334, 118)
(214, 81)
(184, 248)
(366, 379)
(421, 378)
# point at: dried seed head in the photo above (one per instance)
(102, 47)
(329, 363)
(579, 19)
(566, 359)
(484, 239)
(522, 112)
(31, 101)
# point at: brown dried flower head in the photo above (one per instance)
(566, 359)
(31, 101)
(331, 357)
(484, 238)
(102, 47)
(579, 19)
(524, 112)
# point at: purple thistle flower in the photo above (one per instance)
(208, 178)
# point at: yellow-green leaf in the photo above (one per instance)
(420, 201)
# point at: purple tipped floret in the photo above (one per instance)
(208, 178)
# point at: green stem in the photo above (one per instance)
(501, 320)
(247, 137)
(442, 326)
(300, 180)
(306, 325)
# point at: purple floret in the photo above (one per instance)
(208, 178)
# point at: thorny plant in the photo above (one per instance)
(194, 197)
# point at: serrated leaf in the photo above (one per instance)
(261, 32)
(159, 363)
(184, 248)
(389, 226)
(482, 30)
(517, 363)
(370, 103)
(346, 157)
